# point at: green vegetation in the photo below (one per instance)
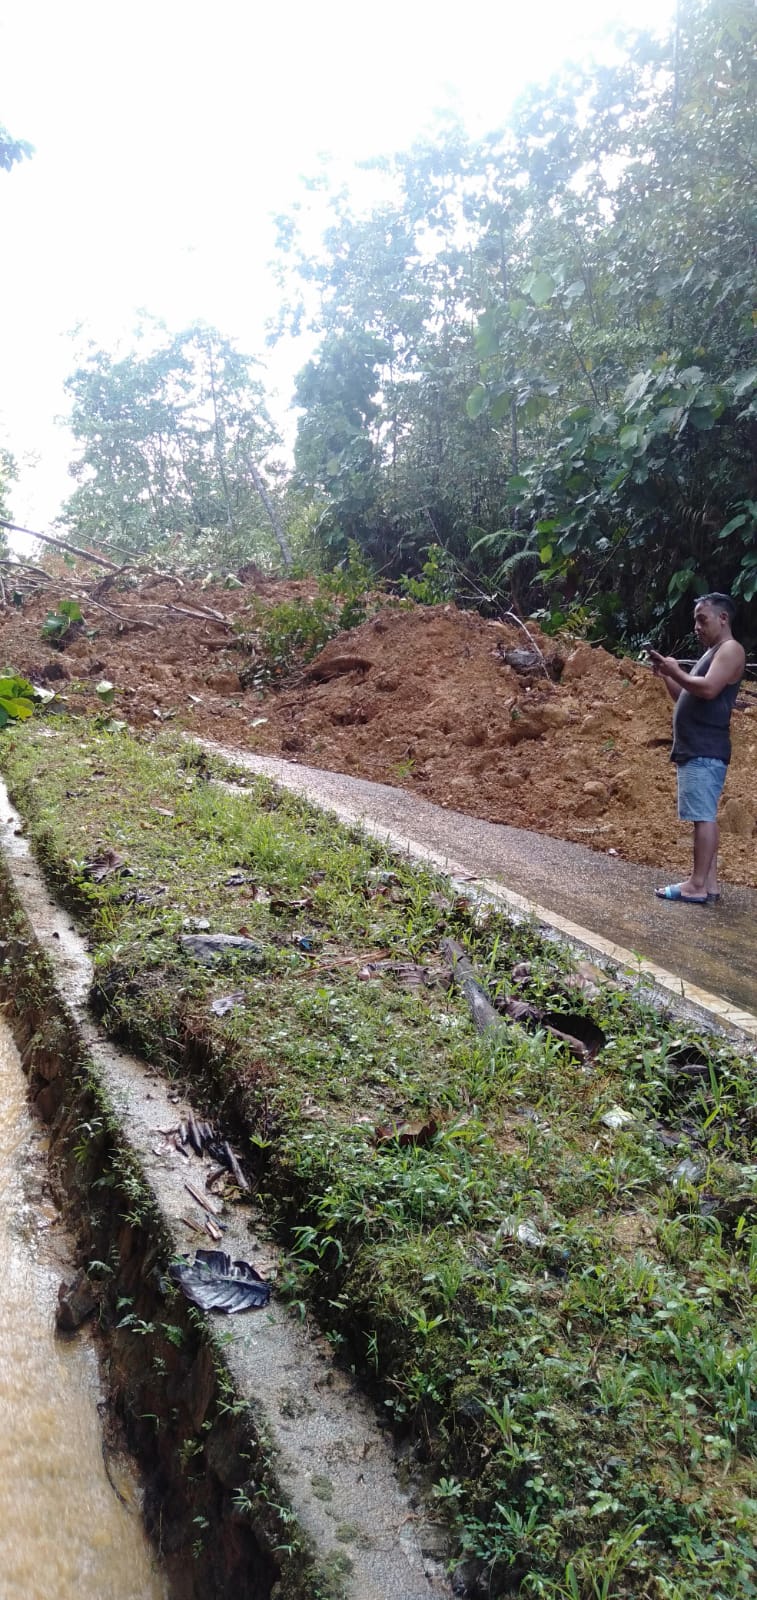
(12, 150)
(58, 624)
(290, 633)
(172, 440)
(538, 349)
(534, 378)
(17, 699)
(558, 1313)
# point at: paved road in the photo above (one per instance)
(714, 947)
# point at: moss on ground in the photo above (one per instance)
(556, 1312)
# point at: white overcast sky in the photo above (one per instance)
(166, 134)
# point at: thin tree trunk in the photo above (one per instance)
(271, 512)
(219, 442)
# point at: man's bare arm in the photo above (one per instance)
(727, 666)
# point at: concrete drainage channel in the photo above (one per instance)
(265, 1472)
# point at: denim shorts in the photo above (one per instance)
(700, 785)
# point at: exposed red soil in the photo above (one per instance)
(422, 700)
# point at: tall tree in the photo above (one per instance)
(552, 330)
(175, 445)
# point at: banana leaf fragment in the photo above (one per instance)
(216, 1283)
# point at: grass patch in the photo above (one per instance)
(557, 1313)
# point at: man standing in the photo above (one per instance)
(704, 700)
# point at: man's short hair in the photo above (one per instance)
(719, 602)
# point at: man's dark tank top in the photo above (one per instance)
(700, 727)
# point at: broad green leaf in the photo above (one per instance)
(574, 290)
(681, 581)
(702, 417)
(20, 709)
(742, 382)
(487, 335)
(105, 691)
(477, 401)
(13, 686)
(636, 388)
(540, 286)
(730, 527)
(500, 407)
(535, 407)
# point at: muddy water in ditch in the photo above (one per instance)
(64, 1532)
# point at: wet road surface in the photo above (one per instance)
(713, 946)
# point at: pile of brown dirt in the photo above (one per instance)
(419, 697)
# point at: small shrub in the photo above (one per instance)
(17, 697)
(438, 583)
(290, 634)
(58, 624)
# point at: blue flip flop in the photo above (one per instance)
(672, 891)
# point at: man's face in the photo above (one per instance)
(707, 624)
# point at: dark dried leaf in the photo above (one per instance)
(216, 1283)
(404, 1133)
(103, 866)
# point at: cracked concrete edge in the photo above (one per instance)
(684, 998)
(322, 1429)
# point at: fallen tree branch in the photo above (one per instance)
(485, 1017)
(204, 614)
(491, 599)
(80, 592)
(463, 973)
(62, 544)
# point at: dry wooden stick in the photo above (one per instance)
(201, 1200)
(201, 615)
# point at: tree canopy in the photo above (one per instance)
(174, 438)
(538, 349)
(533, 360)
(12, 150)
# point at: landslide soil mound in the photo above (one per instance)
(419, 697)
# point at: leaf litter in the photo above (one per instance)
(216, 1283)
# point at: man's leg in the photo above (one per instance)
(704, 874)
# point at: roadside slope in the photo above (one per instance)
(536, 1253)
